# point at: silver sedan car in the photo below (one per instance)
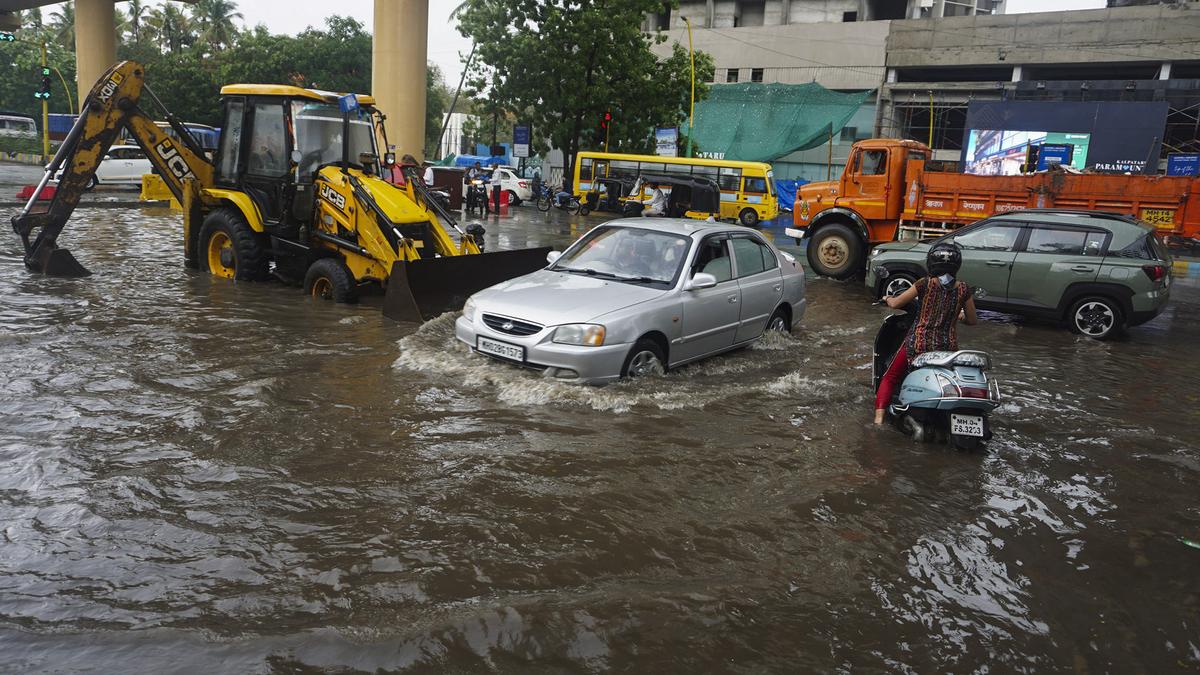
(638, 296)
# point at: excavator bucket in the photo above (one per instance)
(419, 290)
(54, 261)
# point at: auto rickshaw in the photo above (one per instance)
(687, 197)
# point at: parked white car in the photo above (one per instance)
(635, 297)
(518, 189)
(124, 164)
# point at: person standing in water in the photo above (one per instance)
(943, 301)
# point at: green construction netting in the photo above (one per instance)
(448, 160)
(762, 122)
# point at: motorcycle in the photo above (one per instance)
(945, 395)
(477, 196)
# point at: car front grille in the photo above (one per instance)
(510, 326)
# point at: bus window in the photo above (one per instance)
(601, 170)
(678, 169)
(585, 168)
(652, 167)
(709, 172)
(756, 186)
(730, 179)
(622, 169)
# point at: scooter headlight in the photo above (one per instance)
(586, 334)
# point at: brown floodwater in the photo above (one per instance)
(202, 476)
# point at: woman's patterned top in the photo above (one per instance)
(935, 329)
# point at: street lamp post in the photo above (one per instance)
(692, 108)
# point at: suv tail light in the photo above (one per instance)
(1155, 272)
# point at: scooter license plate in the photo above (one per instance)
(966, 425)
(501, 350)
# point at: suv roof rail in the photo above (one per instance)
(1111, 215)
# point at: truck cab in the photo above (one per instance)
(842, 218)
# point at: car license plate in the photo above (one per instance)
(966, 425)
(500, 349)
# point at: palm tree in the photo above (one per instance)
(62, 26)
(133, 23)
(214, 21)
(169, 27)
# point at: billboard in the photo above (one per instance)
(997, 152)
(521, 135)
(666, 139)
(1108, 136)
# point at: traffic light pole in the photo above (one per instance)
(45, 114)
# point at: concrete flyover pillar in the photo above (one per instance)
(95, 42)
(398, 71)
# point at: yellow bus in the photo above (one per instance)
(747, 192)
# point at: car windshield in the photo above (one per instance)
(319, 135)
(627, 254)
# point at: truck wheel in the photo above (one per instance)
(1096, 317)
(230, 249)
(748, 217)
(328, 279)
(836, 251)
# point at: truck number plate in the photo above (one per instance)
(500, 349)
(1159, 217)
(966, 425)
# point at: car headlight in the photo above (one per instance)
(586, 334)
(469, 309)
(876, 251)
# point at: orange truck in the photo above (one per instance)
(890, 190)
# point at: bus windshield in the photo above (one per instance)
(319, 135)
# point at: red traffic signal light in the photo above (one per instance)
(605, 120)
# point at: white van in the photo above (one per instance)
(13, 125)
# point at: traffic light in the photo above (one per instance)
(604, 121)
(7, 37)
(1031, 158)
(43, 92)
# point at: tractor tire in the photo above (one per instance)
(748, 217)
(229, 249)
(329, 279)
(836, 251)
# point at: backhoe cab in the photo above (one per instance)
(295, 192)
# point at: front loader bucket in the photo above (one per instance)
(419, 290)
(56, 262)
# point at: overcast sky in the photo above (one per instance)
(446, 47)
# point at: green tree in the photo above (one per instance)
(565, 63)
(62, 26)
(437, 100)
(169, 28)
(214, 22)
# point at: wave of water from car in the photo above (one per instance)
(233, 477)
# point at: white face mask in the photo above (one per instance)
(946, 279)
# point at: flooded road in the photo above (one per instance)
(201, 476)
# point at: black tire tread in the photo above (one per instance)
(251, 259)
(345, 291)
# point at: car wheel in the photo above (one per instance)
(1096, 317)
(779, 322)
(93, 182)
(328, 279)
(896, 284)
(836, 251)
(645, 359)
(513, 199)
(748, 217)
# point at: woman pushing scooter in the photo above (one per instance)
(943, 299)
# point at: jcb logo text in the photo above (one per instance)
(174, 161)
(333, 197)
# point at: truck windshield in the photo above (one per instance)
(319, 135)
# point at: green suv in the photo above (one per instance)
(1099, 272)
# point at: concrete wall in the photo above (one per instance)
(1119, 34)
(835, 55)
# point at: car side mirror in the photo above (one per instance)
(389, 159)
(701, 281)
(108, 157)
(552, 256)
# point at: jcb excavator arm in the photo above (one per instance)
(111, 105)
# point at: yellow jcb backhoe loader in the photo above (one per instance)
(294, 191)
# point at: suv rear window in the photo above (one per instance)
(1147, 247)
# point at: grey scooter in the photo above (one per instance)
(945, 394)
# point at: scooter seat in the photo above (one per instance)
(966, 357)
